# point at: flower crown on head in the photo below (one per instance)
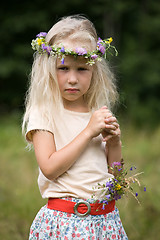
(103, 49)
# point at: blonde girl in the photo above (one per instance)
(75, 136)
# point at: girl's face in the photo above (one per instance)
(74, 79)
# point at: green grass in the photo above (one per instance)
(20, 199)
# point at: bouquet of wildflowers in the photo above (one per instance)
(119, 185)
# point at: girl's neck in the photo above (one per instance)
(76, 108)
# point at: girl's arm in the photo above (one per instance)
(114, 153)
(113, 142)
(54, 163)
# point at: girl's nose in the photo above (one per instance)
(72, 77)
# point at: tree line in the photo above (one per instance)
(134, 26)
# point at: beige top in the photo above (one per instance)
(88, 170)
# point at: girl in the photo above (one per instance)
(74, 134)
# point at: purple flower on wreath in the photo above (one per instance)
(48, 49)
(41, 34)
(62, 60)
(99, 40)
(94, 56)
(100, 46)
(81, 51)
(101, 49)
(62, 50)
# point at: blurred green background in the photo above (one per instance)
(135, 28)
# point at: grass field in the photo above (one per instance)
(20, 198)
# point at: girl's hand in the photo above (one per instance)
(112, 133)
(99, 124)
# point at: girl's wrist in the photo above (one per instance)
(115, 143)
(87, 133)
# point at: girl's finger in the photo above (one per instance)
(115, 132)
(110, 119)
(107, 138)
(115, 124)
(110, 127)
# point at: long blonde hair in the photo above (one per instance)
(43, 93)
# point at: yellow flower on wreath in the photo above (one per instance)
(109, 40)
(39, 41)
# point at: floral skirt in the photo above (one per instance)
(52, 224)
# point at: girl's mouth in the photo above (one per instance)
(72, 90)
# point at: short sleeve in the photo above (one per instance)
(37, 122)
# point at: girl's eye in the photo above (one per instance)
(82, 69)
(63, 68)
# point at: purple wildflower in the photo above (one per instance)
(43, 46)
(105, 202)
(100, 46)
(132, 168)
(99, 40)
(62, 60)
(108, 184)
(103, 206)
(116, 164)
(116, 196)
(108, 196)
(62, 50)
(136, 194)
(48, 49)
(101, 49)
(94, 56)
(81, 51)
(144, 189)
(119, 169)
(41, 34)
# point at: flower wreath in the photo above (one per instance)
(104, 48)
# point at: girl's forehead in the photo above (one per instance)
(73, 44)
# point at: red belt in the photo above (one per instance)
(82, 208)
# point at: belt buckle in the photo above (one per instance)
(82, 214)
